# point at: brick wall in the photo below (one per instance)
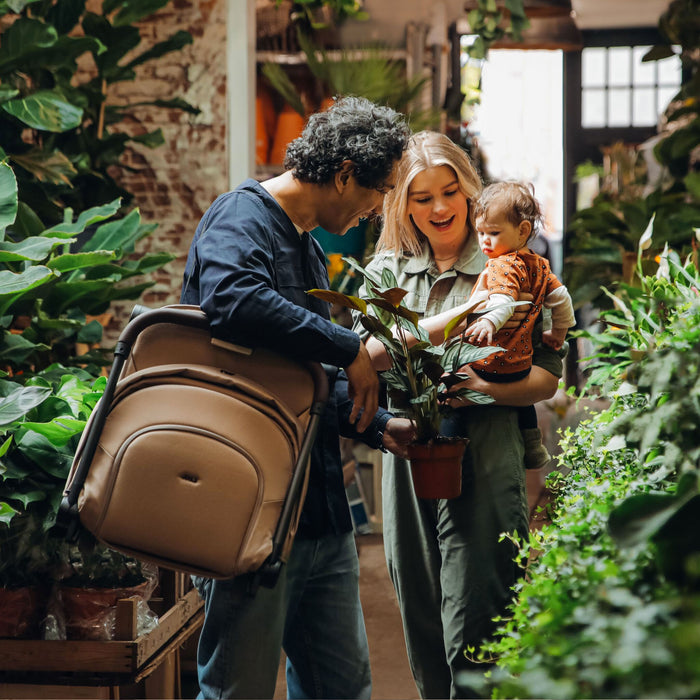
(174, 183)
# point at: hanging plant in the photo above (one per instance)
(492, 21)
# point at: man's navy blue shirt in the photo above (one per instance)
(249, 269)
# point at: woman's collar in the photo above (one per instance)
(470, 262)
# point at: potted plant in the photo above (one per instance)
(422, 378)
(93, 578)
(46, 289)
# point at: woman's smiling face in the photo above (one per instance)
(438, 207)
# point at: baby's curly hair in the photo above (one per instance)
(515, 200)
(353, 128)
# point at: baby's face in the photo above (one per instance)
(498, 236)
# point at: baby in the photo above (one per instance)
(507, 217)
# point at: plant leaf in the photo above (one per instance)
(34, 249)
(8, 197)
(46, 111)
(11, 282)
(393, 295)
(15, 405)
(52, 167)
(333, 297)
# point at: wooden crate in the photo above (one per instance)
(103, 663)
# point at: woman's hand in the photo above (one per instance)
(539, 385)
(519, 312)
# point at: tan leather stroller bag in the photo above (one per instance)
(196, 457)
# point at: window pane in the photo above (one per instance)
(619, 66)
(643, 73)
(619, 107)
(593, 67)
(644, 107)
(593, 108)
(666, 94)
(670, 71)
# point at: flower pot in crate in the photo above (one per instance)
(21, 612)
(436, 467)
(90, 613)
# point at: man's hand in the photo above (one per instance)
(398, 433)
(363, 387)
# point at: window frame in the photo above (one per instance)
(584, 143)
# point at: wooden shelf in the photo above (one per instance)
(101, 663)
(299, 58)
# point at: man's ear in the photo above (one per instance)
(342, 177)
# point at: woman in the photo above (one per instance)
(451, 571)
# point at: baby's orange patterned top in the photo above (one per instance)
(511, 274)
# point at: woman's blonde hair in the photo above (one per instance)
(426, 149)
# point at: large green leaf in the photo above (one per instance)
(117, 235)
(7, 512)
(16, 348)
(61, 58)
(459, 354)
(46, 111)
(86, 218)
(15, 405)
(127, 268)
(91, 296)
(35, 248)
(118, 40)
(23, 38)
(8, 197)
(12, 282)
(57, 431)
(53, 460)
(7, 92)
(79, 261)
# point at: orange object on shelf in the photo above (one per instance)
(326, 102)
(262, 138)
(290, 124)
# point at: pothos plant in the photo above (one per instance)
(423, 376)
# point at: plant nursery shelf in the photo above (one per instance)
(98, 662)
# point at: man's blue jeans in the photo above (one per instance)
(313, 612)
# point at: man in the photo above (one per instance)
(249, 267)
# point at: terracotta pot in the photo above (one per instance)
(21, 611)
(265, 124)
(290, 124)
(436, 467)
(90, 613)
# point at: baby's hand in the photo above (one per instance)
(480, 332)
(554, 338)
